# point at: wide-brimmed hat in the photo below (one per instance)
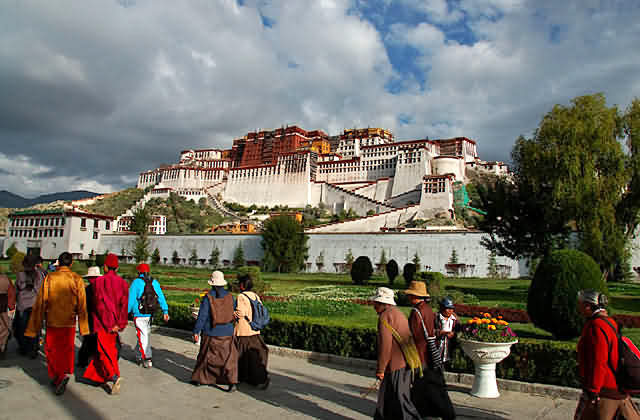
(93, 272)
(417, 288)
(383, 295)
(217, 279)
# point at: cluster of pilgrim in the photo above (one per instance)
(411, 386)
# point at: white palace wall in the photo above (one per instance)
(434, 249)
(292, 189)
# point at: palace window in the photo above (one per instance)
(83, 223)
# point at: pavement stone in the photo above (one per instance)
(301, 388)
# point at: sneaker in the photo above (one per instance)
(265, 385)
(147, 364)
(232, 388)
(62, 386)
(115, 388)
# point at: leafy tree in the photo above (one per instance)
(141, 221)
(392, 271)
(573, 175)
(140, 251)
(453, 259)
(175, 258)
(284, 244)
(16, 262)
(214, 258)
(100, 258)
(383, 260)
(238, 256)
(492, 268)
(416, 261)
(193, 259)
(320, 261)
(155, 257)
(361, 270)
(11, 250)
(348, 259)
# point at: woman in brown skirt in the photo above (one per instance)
(252, 351)
(217, 362)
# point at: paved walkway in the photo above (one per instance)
(299, 390)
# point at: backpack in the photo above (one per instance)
(259, 314)
(148, 303)
(628, 373)
(221, 309)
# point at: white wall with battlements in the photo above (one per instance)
(373, 223)
(434, 249)
(410, 171)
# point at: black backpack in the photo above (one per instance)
(148, 303)
(628, 373)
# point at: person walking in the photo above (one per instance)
(111, 294)
(446, 326)
(28, 283)
(394, 399)
(217, 362)
(61, 303)
(89, 346)
(598, 358)
(253, 353)
(145, 296)
(429, 392)
(7, 304)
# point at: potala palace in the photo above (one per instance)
(365, 170)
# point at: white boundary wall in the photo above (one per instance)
(434, 248)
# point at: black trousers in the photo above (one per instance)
(430, 396)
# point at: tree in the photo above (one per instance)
(141, 221)
(348, 259)
(140, 251)
(492, 268)
(453, 259)
(573, 175)
(11, 250)
(409, 273)
(383, 261)
(214, 259)
(155, 257)
(320, 261)
(416, 261)
(284, 244)
(361, 270)
(238, 256)
(392, 271)
(193, 259)
(175, 258)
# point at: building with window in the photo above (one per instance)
(48, 233)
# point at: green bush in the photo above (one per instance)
(433, 280)
(11, 251)
(16, 262)
(409, 273)
(361, 270)
(553, 291)
(392, 271)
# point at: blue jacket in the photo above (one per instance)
(203, 323)
(135, 293)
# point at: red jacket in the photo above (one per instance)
(111, 298)
(597, 355)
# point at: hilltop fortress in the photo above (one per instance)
(365, 170)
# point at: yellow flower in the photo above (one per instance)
(487, 315)
(491, 327)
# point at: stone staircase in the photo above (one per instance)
(382, 206)
(212, 199)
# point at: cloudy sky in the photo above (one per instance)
(93, 92)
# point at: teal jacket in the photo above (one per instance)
(135, 294)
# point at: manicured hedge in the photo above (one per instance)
(530, 360)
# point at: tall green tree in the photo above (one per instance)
(238, 256)
(155, 257)
(284, 244)
(141, 221)
(576, 174)
(214, 258)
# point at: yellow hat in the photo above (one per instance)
(417, 288)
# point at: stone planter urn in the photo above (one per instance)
(485, 356)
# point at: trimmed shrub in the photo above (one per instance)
(100, 260)
(361, 270)
(432, 280)
(554, 290)
(392, 271)
(16, 262)
(409, 273)
(11, 251)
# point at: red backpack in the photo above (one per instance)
(628, 373)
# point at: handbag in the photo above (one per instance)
(435, 359)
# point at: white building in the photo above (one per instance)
(48, 233)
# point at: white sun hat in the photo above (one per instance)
(217, 279)
(383, 295)
(93, 272)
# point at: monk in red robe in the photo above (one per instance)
(60, 303)
(111, 294)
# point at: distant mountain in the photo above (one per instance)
(10, 200)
